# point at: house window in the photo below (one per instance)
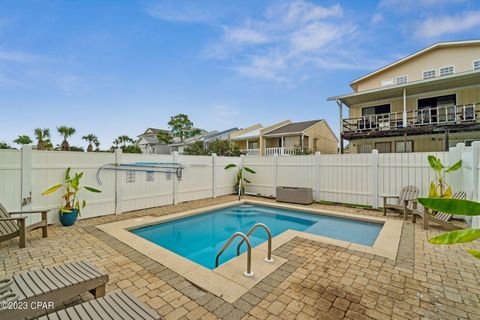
(364, 148)
(383, 147)
(447, 71)
(476, 65)
(404, 146)
(430, 74)
(381, 109)
(401, 80)
(252, 145)
(387, 82)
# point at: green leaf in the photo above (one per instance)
(457, 236)
(231, 165)
(474, 253)
(455, 167)
(246, 180)
(435, 163)
(92, 189)
(67, 174)
(248, 170)
(84, 203)
(52, 189)
(452, 206)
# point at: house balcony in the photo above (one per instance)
(279, 151)
(413, 121)
(250, 152)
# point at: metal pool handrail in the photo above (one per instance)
(269, 234)
(249, 272)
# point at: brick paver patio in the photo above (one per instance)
(319, 281)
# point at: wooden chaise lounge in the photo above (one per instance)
(56, 284)
(440, 218)
(405, 201)
(118, 305)
(13, 227)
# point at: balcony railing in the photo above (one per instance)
(279, 151)
(446, 115)
(250, 152)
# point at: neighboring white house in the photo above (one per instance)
(149, 144)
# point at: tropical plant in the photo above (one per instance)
(91, 139)
(75, 148)
(181, 127)
(164, 136)
(4, 145)
(224, 148)
(241, 180)
(123, 141)
(43, 138)
(116, 143)
(65, 132)
(97, 145)
(131, 149)
(195, 149)
(301, 151)
(439, 187)
(455, 207)
(23, 140)
(72, 187)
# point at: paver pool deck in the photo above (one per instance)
(318, 280)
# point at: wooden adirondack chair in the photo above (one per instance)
(440, 218)
(12, 227)
(405, 201)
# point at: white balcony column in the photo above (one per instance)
(340, 111)
(404, 108)
(247, 146)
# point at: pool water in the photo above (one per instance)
(200, 237)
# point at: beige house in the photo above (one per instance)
(427, 101)
(286, 138)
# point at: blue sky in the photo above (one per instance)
(116, 67)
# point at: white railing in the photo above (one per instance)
(446, 115)
(250, 152)
(279, 151)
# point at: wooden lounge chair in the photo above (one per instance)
(405, 201)
(56, 284)
(118, 305)
(440, 218)
(13, 227)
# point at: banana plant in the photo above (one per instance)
(72, 187)
(241, 180)
(439, 187)
(455, 207)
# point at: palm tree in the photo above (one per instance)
(43, 138)
(23, 139)
(97, 145)
(91, 138)
(116, 142)
(124, 140)
(66, 132)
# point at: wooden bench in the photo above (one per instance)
(55, 284)
(118, 305)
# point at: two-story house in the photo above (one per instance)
(427, 101)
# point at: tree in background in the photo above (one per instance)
(43, 139)
(127, 144)
(124, 140)
(65, 132)
(195, 149)
(97, 145)
(23, 140)
(91, 139)
(4, 145)
(223, 148)
(180, 127)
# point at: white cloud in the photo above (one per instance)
(181, 11)
(405, 5)
(244, 36)
(437, 26)
(377, 18)
(17, 56)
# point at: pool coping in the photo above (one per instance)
(227, 281)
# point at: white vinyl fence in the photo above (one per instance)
(359, 179)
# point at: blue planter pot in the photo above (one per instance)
(68, 218)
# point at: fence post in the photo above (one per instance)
(475, 162)
(275, 175)
(214, 175)
(118, 183)
(375, 179)
(26, 183)
(174, 179)
(316, 176)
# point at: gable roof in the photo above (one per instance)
(295, 127)
(415, 54)
(152, 131)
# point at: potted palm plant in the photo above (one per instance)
(70, 210)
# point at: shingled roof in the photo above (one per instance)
(295, 127)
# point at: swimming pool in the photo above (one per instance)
(200, 237)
